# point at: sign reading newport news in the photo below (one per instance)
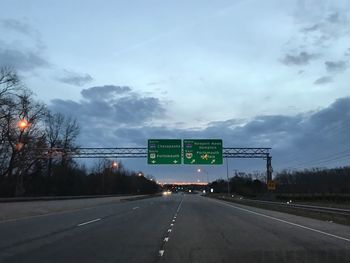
(202, 151)
(161, 151)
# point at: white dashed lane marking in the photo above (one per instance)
(166, 239)
(89, 222)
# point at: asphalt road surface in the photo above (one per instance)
(176, 228)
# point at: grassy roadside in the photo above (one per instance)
(324, 216)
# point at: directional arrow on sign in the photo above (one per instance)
(213, 161)
(193, 161)
(153, 161)
(175, 161)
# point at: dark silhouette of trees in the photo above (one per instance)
(28, 131)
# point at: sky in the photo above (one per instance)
(253, 73)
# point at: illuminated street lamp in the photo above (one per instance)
(140, 174)
(115, 165)
(199, 170)
(22, 124)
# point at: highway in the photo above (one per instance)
(175, 228)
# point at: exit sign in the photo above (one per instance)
(163, 151)
(202, 152)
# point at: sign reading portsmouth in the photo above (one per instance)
(202, 152)
(162, 151)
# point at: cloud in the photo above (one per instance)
(74, 78)
(103, 92)
(27, 53)
(323, 80)
(22, 60)
(18, 26)
(303, 58)
(296, 139)
(311, 28)
(336, 66)
(109, 107)
(128, 119)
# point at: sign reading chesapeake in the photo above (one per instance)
(202, 152)
(164, 151)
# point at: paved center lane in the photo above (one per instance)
(212, 231)
(133, 236)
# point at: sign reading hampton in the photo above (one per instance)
(202, 152)
(164, 151)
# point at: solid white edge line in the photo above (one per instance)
(89, 222)
(284, 221)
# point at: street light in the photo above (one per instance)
(199, 170)
(115, 165)
(23, 124)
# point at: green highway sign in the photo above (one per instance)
(164, 151)
(202, 151)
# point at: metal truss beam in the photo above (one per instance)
(141, 152)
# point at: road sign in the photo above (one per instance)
(271, 185)
(164, 151)
(202, 152)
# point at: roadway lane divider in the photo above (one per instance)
(170, 229)
(89, 222)
(98, 219)
(283, 221)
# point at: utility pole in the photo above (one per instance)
(268, 168)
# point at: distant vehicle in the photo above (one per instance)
(167, 192)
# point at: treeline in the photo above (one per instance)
(314, 181)
(34, 151)
(76, 180)
(307, 183)
(242, 184)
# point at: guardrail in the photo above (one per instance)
(321, 209)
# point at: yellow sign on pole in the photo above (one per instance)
(271, 185)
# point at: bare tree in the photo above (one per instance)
(9, 82)
(61, 132)
(20, 130)
(53, 130)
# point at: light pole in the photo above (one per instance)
(199, 170)
(228, 180)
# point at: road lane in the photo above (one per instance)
(176, 228)
(214, 231)
(122, 234)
